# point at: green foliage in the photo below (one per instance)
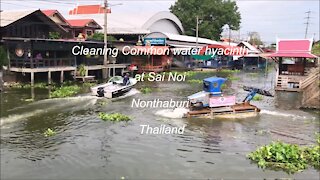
(114, 117)
(82, 70)
(54, 35)
(287, 157)
(49, 132)
(89, 84)
(100, 37)
(257, 97)
(65, 91)
(313, 153)
(213, 15)
(224, 86)
(197, 81)
(3, 57)
(316, 49)
(233, 78)
(229, 71)
(146, 90)
(280, 156)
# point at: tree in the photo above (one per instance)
(213, 15)
(316, 48)
(54, 35)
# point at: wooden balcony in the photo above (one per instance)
(296, 83)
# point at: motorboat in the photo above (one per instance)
(115, 87)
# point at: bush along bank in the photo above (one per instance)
(290, 158)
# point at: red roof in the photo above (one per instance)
(49, 12)
(294, 48)
(81, 22)
(88, 9)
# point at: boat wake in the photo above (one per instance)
(278, 113)
(172, 113)
(47, 105)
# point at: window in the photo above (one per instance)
(89, 32)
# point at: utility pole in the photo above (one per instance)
(105, 59)
(229, 34)
(307, 24)
(197, 32)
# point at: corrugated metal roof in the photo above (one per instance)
(129, 23)
(8, 17)
(250, 47)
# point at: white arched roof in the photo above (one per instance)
(136, 23)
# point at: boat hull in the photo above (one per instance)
(240, 110)
(113, 89)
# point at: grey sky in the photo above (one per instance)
(272, 19)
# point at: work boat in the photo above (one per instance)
(212, 103)
(114, 87)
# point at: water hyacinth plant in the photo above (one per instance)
(146, 90)
(233, 78)
(49, 132)
(114, 117)
(65, 91)
(257, 97)
(287, 157)
(198, 81)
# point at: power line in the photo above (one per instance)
(307, 23)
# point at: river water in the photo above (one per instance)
(87, 148)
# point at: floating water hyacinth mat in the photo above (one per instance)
(114, 117)
(287, 157)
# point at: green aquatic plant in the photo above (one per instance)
(253, 74)
(224, 86)
(146, 90)
(233, 78)
(114, 117)
(280, 156)
(313, 153)
(89, 84)
(257, 97)
(198, 81)
(229, 71)
(65, 91)
(290, 158)
(49, 132)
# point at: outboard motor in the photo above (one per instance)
(100, 92)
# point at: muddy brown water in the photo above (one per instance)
(87, 148)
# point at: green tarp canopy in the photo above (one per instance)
(202, 57)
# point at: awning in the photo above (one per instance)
(293, 54)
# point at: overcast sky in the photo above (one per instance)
(272, 19)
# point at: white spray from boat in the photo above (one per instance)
(48, 105)
(284, 114)
(172, 113)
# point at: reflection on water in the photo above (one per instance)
(87, 148)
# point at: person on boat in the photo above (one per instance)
(126, 79)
